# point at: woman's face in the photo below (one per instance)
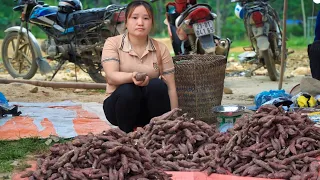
(139, 23)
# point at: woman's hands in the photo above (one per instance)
(137, 79)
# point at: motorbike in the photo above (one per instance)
(191, 29)
(74, 35)
(263, 29)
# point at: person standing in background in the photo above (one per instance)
(314, 49)
(317, 29)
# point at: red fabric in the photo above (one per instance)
(257, 18)
(181, 5)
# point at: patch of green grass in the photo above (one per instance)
(101, 91)
(18, 150)
(240, 43)
(297, 42)
(292, 42)
(234, 54)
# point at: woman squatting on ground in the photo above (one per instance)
(131, 103)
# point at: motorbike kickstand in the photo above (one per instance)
(57, 69)
(258, 67)
(290, 52)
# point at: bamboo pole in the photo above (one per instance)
(56, 84)
(284, 48)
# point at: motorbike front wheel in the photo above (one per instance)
(24, 64)
(270, 64)
(96, 74)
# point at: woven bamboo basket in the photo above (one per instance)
(200, 82)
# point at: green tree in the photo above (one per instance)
(231, 26)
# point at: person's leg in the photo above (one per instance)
(109, 110)
(123, 106)
(157, 98)
(317, 29)
(314, 56)
(143, 117)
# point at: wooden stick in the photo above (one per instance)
(284, 48)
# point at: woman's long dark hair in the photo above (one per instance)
(131, 6)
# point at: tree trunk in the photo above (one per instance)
(218, 18)
(304, 20)
(224, 14)
(159, 13)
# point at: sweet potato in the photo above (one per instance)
(242, 168)
(297, 177)
(63, 159)
(292, 148)
(140, 76)
(299, 156)
(282, 175)
(75, 155)
(308, 175)
(277, 166)
(276, 146)
(308, 160)
(254, 170)
(263, 148)
(27, 174)
(282, 142)
(263, 164)
(186, 164)
(271, 154)
(314, 166)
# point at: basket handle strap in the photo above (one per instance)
(159, 58)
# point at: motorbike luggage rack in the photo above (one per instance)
(83, 34)
(248, 48)
(83, 30)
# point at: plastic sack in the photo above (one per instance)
(317, 97)
(239, 11)
(285, 102)
(6, 109)
(3, 101)
(304, 99)
(266, 96)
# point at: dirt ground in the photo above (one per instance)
(243, 88)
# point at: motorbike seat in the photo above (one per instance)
(67, 20)
(185, 13)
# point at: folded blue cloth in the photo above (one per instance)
(3, 101)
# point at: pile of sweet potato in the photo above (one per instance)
(180, 143)
(270, 144)
(111, 155)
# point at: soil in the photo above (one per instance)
(243, 88)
